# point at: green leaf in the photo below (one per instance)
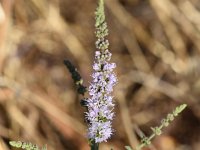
(128, 148)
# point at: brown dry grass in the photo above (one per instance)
(155, 44)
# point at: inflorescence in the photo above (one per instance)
(26, 145)
(156, 131)
(100, 105)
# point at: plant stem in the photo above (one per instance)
(94, 146)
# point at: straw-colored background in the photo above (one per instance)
(155, 43)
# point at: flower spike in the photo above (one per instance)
(100, 106)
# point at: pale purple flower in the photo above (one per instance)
(100, 106)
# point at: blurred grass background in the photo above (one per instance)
(155, 43)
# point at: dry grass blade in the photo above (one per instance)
(44, 105)
(71, 41)
(170, 28)
(190, 12)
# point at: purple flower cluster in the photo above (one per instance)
(100, 106)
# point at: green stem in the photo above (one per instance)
(94, 146)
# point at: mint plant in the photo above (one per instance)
(26, 146)
(100, 105)
(156, 131)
